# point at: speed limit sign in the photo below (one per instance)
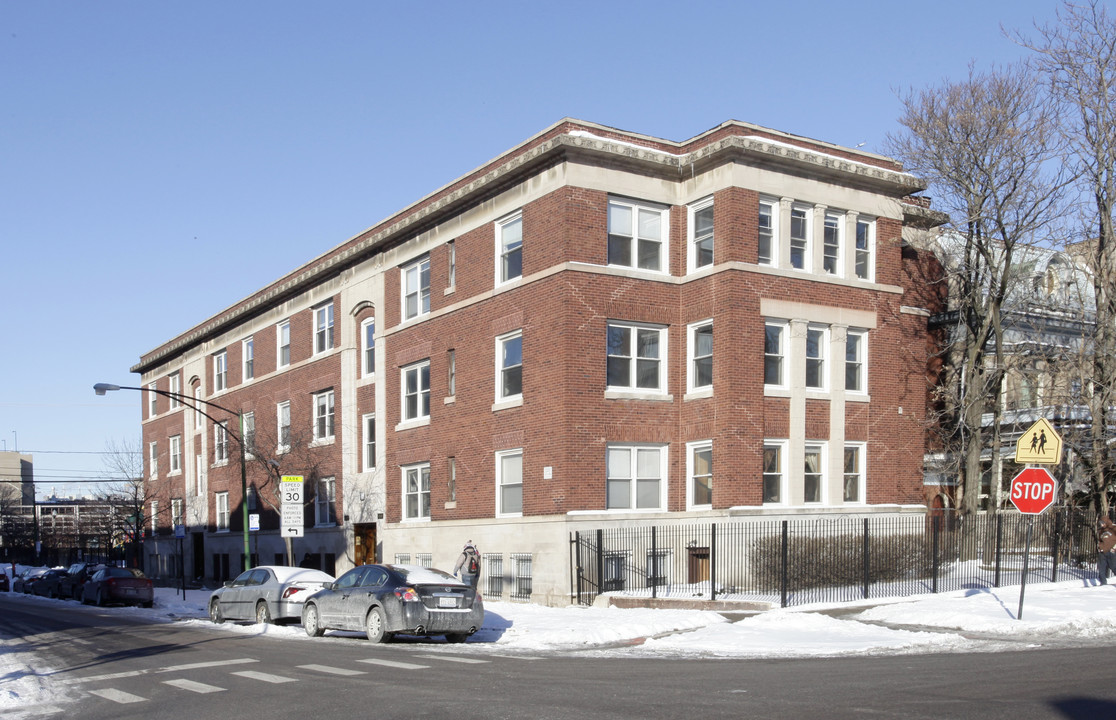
(290, 514)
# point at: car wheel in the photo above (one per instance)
(77, 594)
(100, 598)
(456, 637)
(375, 626)
(263, 615)
(215, 613)
(310, 621)
(149, 603)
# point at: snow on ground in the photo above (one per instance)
(1073, 611)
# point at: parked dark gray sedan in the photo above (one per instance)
(383, 600)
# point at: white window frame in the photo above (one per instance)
(451, 373)
(154, 515)
(324, 414)
(220, 371)
(694, 240)
(859, 362)
(780, 449)
(634, 237)
(152, 398)
(633, 451)
(819, 359)
(507, 482)
(411, 286)
(283, 423)
(368, 347)
(325, 497)
(174, 386)
(323, 328)
(153, 459)
(221, 507)
(805, 242)
(858, 473)
(508, 248)
(776, 355)
(692, 449)
(177, 516)
(175, 455)
(421, 394)
(198, 423)
(451, 265)
(772, 206)
(248, 358)
(693, 358)
(220, 444)
(867, 253)
(833, 240)
(368, 441)
(248, 433)
(421, 473)
(507, 368)
(633, 360)
(818, 448)
(283, 344)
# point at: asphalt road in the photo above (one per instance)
(102, 664)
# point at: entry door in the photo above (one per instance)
(364, 543)
(697, 565)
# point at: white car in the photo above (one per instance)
(266, 594)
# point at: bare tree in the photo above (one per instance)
(986, 145)
(1078, 58)
(123, 488)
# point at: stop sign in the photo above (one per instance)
(1032, 491)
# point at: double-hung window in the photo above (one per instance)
(813, 477)
(248, 356)
(865, 239)
(152, 400)
(800, 237)
(451, 263)
(509, 248)
(248, 430)
(198, 423)
(636, 357)
(774, 354)
(854, 473)
(283, 425)
(220, 371)
(323, 416)
(323, 328)
(324, 502)
(774, 474)
(768, 235)
(222, 502)
(701, 355)
(153, 459)
(701, 234)
(154, 516)
(220, 443)
(509, 483)
(416, 391)
(368, 354)
(416, 492)
(817, 340)
(636, 477)
(699, 475)
(283, 343)
(637, 235)
(831, 243)
(176, 512)
(175, 454)
(369, 425)
(416, 288)
(855, 347)
(174, 385)
(509, 371)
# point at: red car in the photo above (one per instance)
(127, 586)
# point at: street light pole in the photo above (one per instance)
(102, 388)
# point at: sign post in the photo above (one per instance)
(1034, 488)
(290, 492)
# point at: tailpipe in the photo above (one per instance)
(420, 630)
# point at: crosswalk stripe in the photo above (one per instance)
(332, 670)
(117, 696)
(394, 664)
(193, 686)
(455, 658)
(264, 677)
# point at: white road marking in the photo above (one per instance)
(394, 664)
(332, 670)
(455, 658)
(117, 696)
(146, 671)
(193, 686)
(264, 677)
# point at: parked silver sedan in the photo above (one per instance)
(383, 600)
(269, 593)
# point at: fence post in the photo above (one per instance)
(575, 580)
(866, 563)
(783, 579)
(1057, 536)
(713, 561)
(600, 561)
(934, 560)
(654, 565)
(999, 539)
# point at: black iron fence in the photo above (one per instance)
(832, 559)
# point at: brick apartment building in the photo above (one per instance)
(597, 327)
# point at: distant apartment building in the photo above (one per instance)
(595, 328)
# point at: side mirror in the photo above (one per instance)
(329, 585)
(228, 583)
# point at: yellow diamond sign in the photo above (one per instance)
(1040, 445)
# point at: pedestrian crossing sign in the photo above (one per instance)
(1039, 445)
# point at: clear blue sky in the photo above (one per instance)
(160, 161)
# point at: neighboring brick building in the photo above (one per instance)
(596, 327)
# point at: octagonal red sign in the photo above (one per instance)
(1033, 490)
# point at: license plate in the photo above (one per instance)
(447, 602)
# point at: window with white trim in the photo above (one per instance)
(774, 475)
(699, 475)
(175, 454)
(509, 483)
(369, 424)
(154, 516)
(509, 248)
(509, 370)
(813, 477)
(800, 237)
(283, 344)
(701, 234)
(220, 443)
(451, 372)
(856, 342)
(323, 328)
(416, 491)
(854, 473)
(636, 357)
(831, 243)
(451, 482)
(774, 354)
(865, 245)
(283, 425)
(325, 512)
(177, 517)
(416, 391)
(637, 235)
(174, 383)
(416, 288)
(768, 233)
(451, 262)
(221, 501)
(220, 371)
(368, 354)
(636, 477)
(248, 358)
(152, 400)
(323, 416)
(701, 356)
(817, 342)
(248, 432)
(153, 459)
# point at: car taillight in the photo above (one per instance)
(290, 591)
(407, 594)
